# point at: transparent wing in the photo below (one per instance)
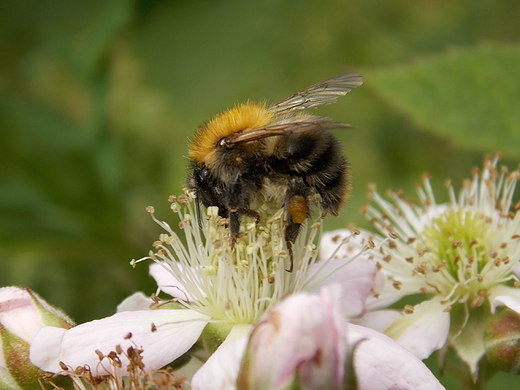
(294, 125)
(320, 94)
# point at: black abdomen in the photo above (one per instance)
(316, 158)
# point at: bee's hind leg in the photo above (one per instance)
(298, 211)
(292, 229)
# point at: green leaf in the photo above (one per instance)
(470, 95)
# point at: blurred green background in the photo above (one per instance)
(98, 99)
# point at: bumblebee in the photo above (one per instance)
(256, 150)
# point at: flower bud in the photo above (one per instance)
(22, 315)
(300, 343)
(502, 341)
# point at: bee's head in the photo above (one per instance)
(210, 139)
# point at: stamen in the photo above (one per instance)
(233, 283)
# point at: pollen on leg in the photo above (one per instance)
(298, 208)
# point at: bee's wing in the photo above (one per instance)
(294, 125)
(320, 94)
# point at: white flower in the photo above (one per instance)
(459, 258)
(220, 293)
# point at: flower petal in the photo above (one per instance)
(135, 302)
(24, 313)
(505, 296)
(164, 335)
(18, 313)
(221, 370)
(424, 331)
(299, 342)
(512, 303)
(331, 241)
(382, 364)
(379, 320)
(167, 282)
(357, 279)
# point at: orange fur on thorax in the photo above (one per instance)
(243, 117)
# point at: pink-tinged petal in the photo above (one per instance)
(24, 313)
(330, 368)
(135, 302)
(379, 320)
(386, 299)
(358, 280)
(424, 331)
(221, 370)
(382, 364)
(300, 341)
(18, 313)
(331, 241)
(164, 335)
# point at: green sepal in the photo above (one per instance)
(469, 344)
(18, 364)
(214, 335)
(350, 381)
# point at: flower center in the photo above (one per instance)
(459, 241)
(234, 284)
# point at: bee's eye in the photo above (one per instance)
(203, 174)
(225, 143)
